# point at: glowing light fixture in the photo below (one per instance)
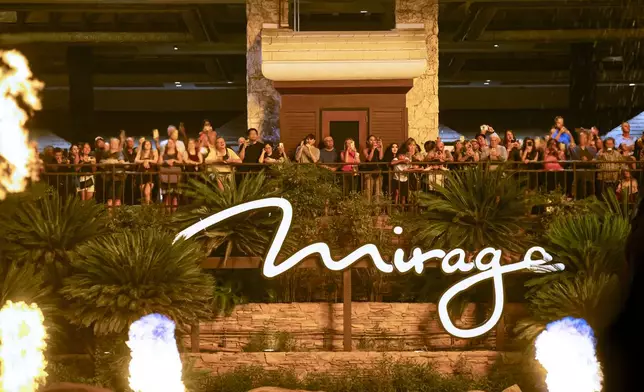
(175, 47)
(155, 364)
(631, 84)
(496, 45)
(22, 334)
(364, 12)
(566, 349)
(18, 98)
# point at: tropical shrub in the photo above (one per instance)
(124, 276)
(249, 233)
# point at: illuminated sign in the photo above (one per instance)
(487, 261)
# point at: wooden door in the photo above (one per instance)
(341, 124)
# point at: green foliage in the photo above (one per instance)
(312, 190)
(387, 376)
(225, 296)
(125, 276)
(126, 218)
(271, 341)
(249, 233)
(592, 248)
(48, 231)
(24, 283)
(475, 209)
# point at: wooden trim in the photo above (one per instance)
(395, 86)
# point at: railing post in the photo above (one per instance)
(346, 308)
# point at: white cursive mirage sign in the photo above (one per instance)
(452, 261)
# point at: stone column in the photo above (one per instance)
(263, 100)
(422, 99)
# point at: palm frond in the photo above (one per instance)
(48, 230)
(124, 276)
(474, 209)
(248, 233)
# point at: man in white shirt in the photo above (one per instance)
(496, 152)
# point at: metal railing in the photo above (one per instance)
(130, 184)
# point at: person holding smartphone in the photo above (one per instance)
(560, 133)
(306, 152)
(251, 150)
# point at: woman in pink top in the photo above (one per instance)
(350, 172)
(551, 165)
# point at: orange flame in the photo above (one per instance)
(18, 99)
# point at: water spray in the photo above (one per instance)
(566, 349)
(155, 363)
(22, 334)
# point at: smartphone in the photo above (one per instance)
(281, 145)
(462, 138)
(155, 134)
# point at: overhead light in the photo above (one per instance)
(632, 84)
(175, 47)
(179, 83)
(230, 82)
(496, 45)
(487, 83)
(364, 12)
(613, 59)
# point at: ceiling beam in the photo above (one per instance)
(474, 24)
(92, 37)
(130, 80)
(634, 76)
(94, 7)
(129, 2)
(230, 45)
(563, 35)
(193, 22)
(448, 46)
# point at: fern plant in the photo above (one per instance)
(47, 231)
(248, 233)
(125, 276)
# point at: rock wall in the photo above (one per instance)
(263, 100)
(446, 362)
(422, 99)
(319, 327)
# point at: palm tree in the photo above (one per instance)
(24, 283)
(475, 208)
(249, 233)
(125, 276)
(592, 248)
(47, 232)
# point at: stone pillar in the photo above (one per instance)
(263, 100)
(81, 92)
(422, 99)
(583, 84)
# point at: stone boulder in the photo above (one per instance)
(513, 388)
(275, 389)
(71, 387)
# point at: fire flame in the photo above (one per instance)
(566, 349)
(155, 364)
(23, 340)
(18, 98)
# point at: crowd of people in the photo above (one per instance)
(579, 163)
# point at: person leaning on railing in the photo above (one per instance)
(146, 158)
(269, 155)
(170, 161)
(351, 157)
(584, 173)
(218, 162)
(373, 153)
(113, 162)
(608, 175)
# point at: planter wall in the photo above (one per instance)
(375, 326)
(477, 362)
